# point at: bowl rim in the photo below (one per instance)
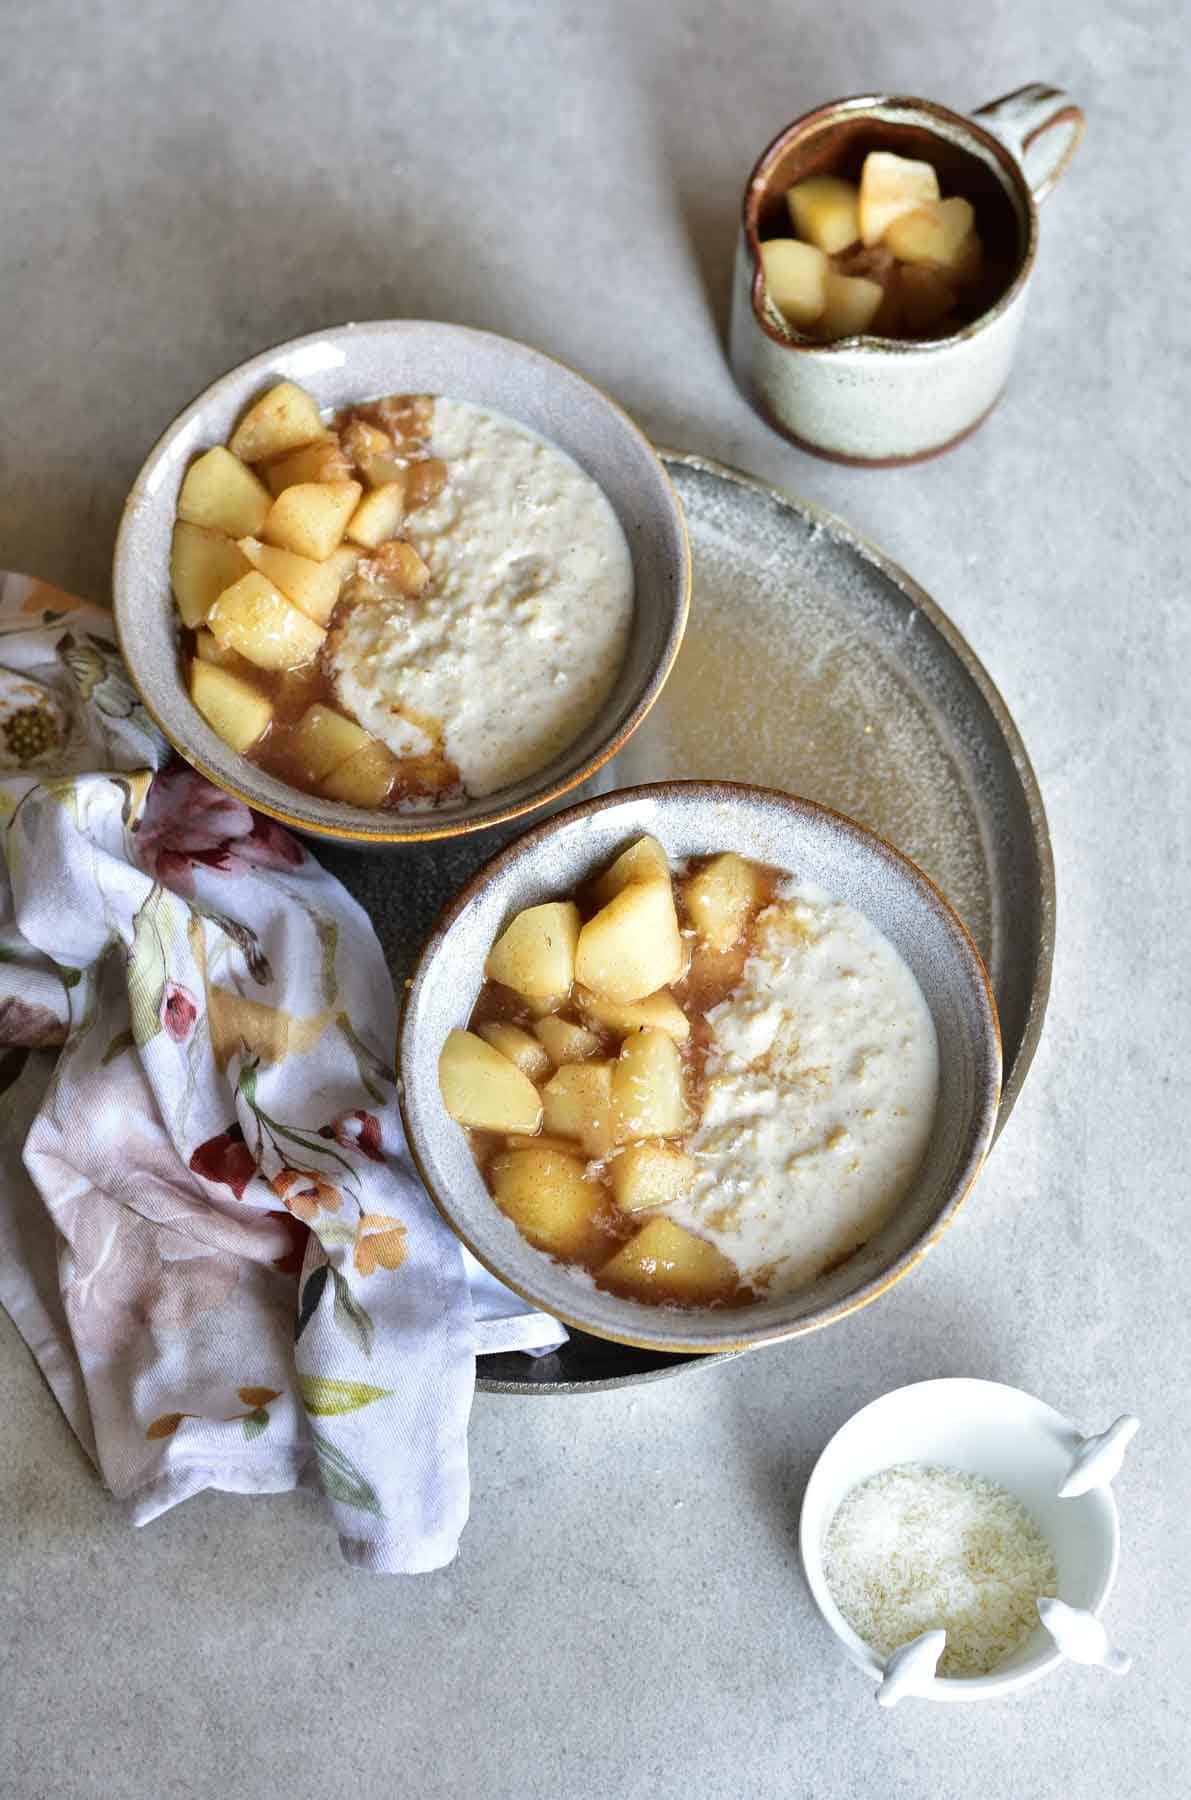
(421, 827)
(944, 1688)
(985, 1110)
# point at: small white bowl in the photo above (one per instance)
(982, 1428)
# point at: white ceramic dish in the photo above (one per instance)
(983, 1428)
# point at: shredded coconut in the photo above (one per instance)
(917, 1548)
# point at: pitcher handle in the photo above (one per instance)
(1042, 126)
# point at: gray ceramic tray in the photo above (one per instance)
(815, 664)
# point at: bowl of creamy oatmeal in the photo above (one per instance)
(698, 1065)
(401, 581)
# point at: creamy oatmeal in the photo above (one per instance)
(517, 642)
(818, 1094)
(410, 604)
(702, 1085)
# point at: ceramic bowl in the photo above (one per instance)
(983, 1428)
(358, 362)
(877, 400)
(692, 818)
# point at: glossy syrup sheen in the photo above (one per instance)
(407, 419)
(710, 978)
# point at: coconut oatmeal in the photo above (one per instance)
(818, 1095)
(413, 603)
(706, 1085)
(520, 635)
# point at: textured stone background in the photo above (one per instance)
(184, 185)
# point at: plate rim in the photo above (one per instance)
(1014, 1076)
(1006, 725)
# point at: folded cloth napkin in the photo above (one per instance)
(216, 1247)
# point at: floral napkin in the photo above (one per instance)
(211, 1236)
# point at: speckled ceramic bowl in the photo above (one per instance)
(693, 818)
(877, 400)
(359, 362)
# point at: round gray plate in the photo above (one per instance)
(811, 663)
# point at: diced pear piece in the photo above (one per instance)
(323, 740)
(535, 954)
(649, 1175)
(202, 563)
(632, 946)
(794, 276)
(362, 441)
(825, 211)
(644, 860)
(578, 1104)
(853, 303)
(365, 778)
(283, 419)
(395, 568)
(378, 515)
(551, 1202)
(927, 296)
(208, 648)
(219, 492)
(889, 186)
(427, 479)
(323, 460)
(311, 517)
(538, 1006)
(405, 416)
(385, 474)
(647, 1088)
(969, 260)
(722, 898)
(483, 1089)
(878, 264)
(933, 233)
(233, 708)
(373, 453)
(520, 1048)
(254, 618)
(343, 561)
(378, 471)
(660, 1011)
(566, 1042)
(312, 586)
(664, 1262)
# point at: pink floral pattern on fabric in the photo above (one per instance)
(188, 824)
(356, 1131)
(178, 1011)
(252, 1283)
(226, 1158)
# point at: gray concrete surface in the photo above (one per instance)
(186, 184)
